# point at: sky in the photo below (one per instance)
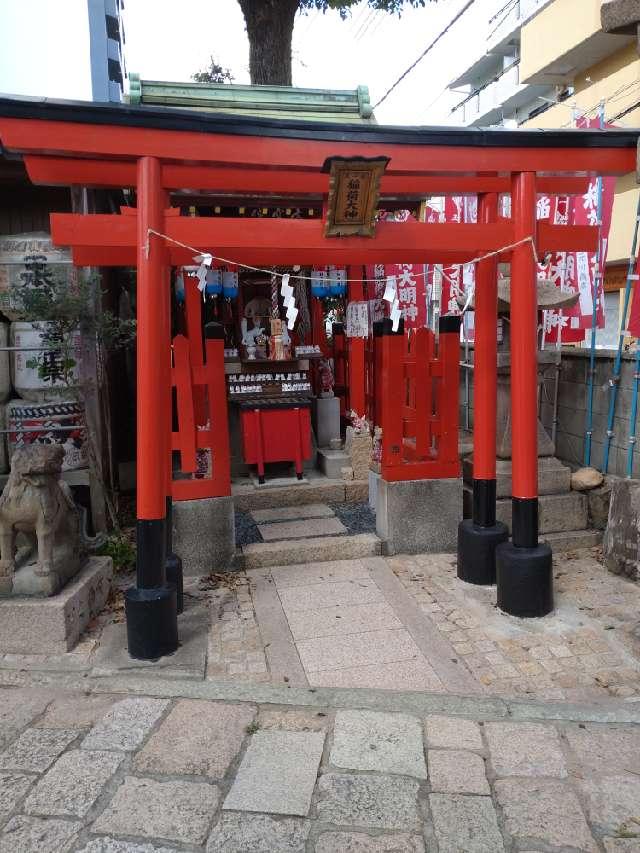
(171, 39)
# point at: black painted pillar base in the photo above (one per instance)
(525, 580)
(524, 572)
(173, 564)
(479, 536)
(151, 606)
(152, 622)
(477, 551)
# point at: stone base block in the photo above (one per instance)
(325, 417)
(554, 478)
(33, 626)
(374, 479)
(621, 542)
(204, 535)
(331, 462)
(557, 513)
(419, 516)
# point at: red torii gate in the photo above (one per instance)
(159, 151)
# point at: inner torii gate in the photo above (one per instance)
(163, 151)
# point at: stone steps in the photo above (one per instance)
(317, 490)
(572, 539)
(289, 552)
(561, 513)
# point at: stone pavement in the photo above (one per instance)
(408, 623)
(400, 623)
(103, 766)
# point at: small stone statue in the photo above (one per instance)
(38, 504)
(326, 378)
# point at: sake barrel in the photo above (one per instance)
(4, 457)
(41, 382)
(5, 373)
(49, 423)
(29, 260)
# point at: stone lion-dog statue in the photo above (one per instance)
(38, 504)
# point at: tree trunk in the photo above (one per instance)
(270, 29)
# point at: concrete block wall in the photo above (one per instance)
(572, 408)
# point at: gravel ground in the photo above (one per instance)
(356, 517)
(246, 529)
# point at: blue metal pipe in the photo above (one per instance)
(614, 382)
(634, 415)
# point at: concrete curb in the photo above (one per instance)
(419, 704)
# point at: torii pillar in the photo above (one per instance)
(151, 606)
(479, 536)
(523, 566)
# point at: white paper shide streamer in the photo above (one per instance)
(204, 262)
(391, 296)
(289, 301)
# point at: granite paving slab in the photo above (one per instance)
(546, 810)
(452, 733)
(18, 707)
(76, 711)
(73, 784)
(412, 674)
(329, 594)
(525, 749)
(599, 749)
(126, 725)
(172, 810)
(324, 572)
(369, 647)
(115, 845)
(302, 529)
(613, 801)
(278, 773)
(198, 738)
(38, 835)
(13, 787)
(463, 823)
(357, 842)
(453, 771)
(378, 802)
(334, 621)
(291, 513)
(36, 749)
(258, 833)
(384, 743)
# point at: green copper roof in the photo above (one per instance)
(348, 105)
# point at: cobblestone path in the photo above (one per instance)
(345, 772)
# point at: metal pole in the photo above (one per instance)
(634, 415)
(614, 382)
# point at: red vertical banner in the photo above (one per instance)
(412, 293)
(633, 324)
(579, 272)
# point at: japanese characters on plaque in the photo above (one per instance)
(268, 384)
(354, 186)
(357, 320)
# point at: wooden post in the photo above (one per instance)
(151, 606)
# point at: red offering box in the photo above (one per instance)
(276, 431)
